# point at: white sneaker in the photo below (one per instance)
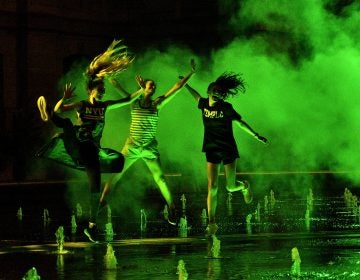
(90, 232)
(239, 186)
(247, 193)
(41, 103)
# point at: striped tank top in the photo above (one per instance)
(144, 122)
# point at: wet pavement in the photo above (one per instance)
(255, 243)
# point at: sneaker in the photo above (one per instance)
(211, 229)
(171, 216)
(247, 192)
(41, 103)
(90, 232)
(239, 186)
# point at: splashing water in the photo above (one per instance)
(183, 204)
(46, 217)
(266, 205)
(257, 213)
(183, 227)
(60, 239)
(166, 212)
(143, 220)
(229, 204)
(109, 232)
(31, 275)
(109, 214)
(215, 247)
(307, 219)
(79, 211)
(295, 257)
(73, 224)
(19, 214)
(248, 224)
(203, 217)
(181, 271)
(272, 200)
(310, 200)
(110, 258)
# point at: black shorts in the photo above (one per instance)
(221, 156)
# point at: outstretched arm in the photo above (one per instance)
(130, 97)
(193, 92)
(247, 128)
(162, 100)
(119, 87)
(68, 94)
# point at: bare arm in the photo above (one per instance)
(162, 100)
(119, 87)
(247, 128)
(130, 97)
(114, 104)
(193, 92)
(68, 94)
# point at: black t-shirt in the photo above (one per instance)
(92, 121)
(218, 131)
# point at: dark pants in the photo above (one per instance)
(84, 152)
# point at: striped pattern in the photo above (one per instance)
(144, 122)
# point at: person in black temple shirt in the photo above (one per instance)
(219, 144)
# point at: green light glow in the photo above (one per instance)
(302, 70)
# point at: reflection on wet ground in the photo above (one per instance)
(261, 256)
(259, 243)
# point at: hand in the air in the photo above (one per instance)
(261, 139)
(140, 81)
(69, 91)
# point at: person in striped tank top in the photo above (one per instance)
(142, 143)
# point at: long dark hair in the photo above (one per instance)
(228, 84)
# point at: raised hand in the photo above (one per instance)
(68, 91)
(261, 139)
(140, 81)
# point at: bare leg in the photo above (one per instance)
(158, 175)
(230, 174)
(232, 185)
(114, 179)
(89, 154)
(212, 171)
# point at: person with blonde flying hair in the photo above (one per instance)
(82, 140)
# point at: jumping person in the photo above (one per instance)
(82, 141)
(142, 143)
(219, 144)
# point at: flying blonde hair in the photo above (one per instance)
(109, 63)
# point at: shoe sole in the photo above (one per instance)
(88, 235)
(249, 190)
(171, 223)
(237, 187)
(41, 103)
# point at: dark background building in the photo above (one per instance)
(41, 39)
